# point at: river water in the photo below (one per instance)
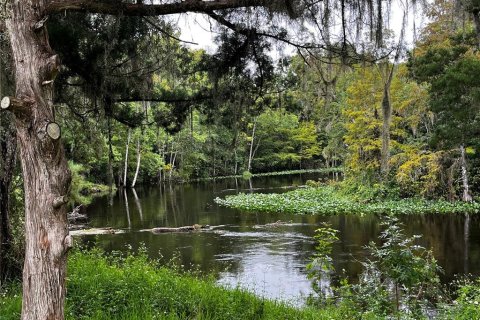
(269, 261)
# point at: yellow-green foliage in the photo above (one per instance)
(363, 124)
(418, 172)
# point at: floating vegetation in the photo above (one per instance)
(328, 201)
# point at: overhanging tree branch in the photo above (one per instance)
(130, 9)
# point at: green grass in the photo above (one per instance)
(327, 200)
(269, 174)
(100, 287)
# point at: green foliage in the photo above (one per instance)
(82, 191)
(246, 175)
(466, 305)
(283, 141)
(330, 201)
(321, 264)
(400, 263)
(132, 287)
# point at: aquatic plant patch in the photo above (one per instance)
(327, 201)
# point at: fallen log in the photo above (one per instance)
(192, 228)
(95, 231)
(277, 224)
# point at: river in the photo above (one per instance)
(269, 261)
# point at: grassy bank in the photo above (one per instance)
(326, 200)
(100, 287)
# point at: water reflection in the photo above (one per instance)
(269, 261)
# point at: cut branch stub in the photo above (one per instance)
(53, 130)
(40, 24)
(59, 201)
(15, 105)
(11, 102)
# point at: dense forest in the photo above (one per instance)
(110, 96)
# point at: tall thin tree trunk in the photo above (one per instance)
(126, 158)
(463, 163)
(137, 170)
(236, 162)
(110, 177)
(250, 155)
(44, 165)
(387, 118)
(191, 122)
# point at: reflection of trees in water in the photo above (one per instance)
(127, 209)
(138, 204)
(448, 236)
(466, 236)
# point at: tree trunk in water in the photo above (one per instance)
(250, 156)
(126, 159)
(466, 188)
(8, 147)
(137, 170)
(45, 171)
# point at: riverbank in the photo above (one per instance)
(111, 287)
(327, 200)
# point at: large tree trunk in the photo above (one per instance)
(45, 171)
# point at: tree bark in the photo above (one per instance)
(45, 171)
(463, 163)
